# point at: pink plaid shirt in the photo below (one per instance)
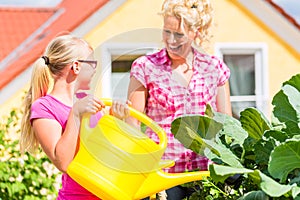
(168, 99)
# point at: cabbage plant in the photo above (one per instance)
(264, 155)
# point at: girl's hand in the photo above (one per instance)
(88, 104)
(120, 109)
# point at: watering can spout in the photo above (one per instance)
(159, 180)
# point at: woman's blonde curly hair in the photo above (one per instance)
(196, 14)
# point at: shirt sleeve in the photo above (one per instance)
(224, 73)
(138, 70)
(40, 110)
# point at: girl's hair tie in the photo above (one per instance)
(46, 59)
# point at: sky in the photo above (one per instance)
(30, 3)
(290, 6)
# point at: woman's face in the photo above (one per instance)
(177, 38)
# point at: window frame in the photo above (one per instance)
(259, 50)
(109, 50)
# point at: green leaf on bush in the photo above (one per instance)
(220, 173)
(262, 150)
(294, 81)
(254, 122)
(187, 128)
(287, 105)
(272, 187)
(219, 151)
(296, 192)
(280, 166)
(196, 133)
(204, 126)
(268, 185)
(277, 135)
(232, 128)
(255, 195)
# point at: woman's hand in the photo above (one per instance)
(88, 104)
(120, 109)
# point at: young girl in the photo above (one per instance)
(52, 120)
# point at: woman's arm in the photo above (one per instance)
(223, 99)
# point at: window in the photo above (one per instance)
(248, 80)
(116, 60)
(120, 67)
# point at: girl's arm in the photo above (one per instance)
(60, 146)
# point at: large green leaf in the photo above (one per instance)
(203, 126)
(198, 133)
(191, 140)
(294, 99)
(296, 192)
(267, 184)
(287, 105)
(294, 81)
(284, 112)
(255, 195)
(232, 128)
(284, 159)
(273, 188)
(262, 151)
(254, 122)
(219, 151)
(220, 173)
(279, 136)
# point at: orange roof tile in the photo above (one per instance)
(18, 24)
(69, 16)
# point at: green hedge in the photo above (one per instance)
(23, 177)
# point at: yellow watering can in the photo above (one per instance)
(118, 162)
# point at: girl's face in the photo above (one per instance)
(87, 71)
(177, 37)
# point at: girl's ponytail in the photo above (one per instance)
(39, 85)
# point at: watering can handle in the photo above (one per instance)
(146, 120)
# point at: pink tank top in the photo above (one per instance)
(50, 108)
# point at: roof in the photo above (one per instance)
(291, 19)
(19, 24)
(30, 29)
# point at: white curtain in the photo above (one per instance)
(242, 79)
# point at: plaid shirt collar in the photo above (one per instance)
(162, 58)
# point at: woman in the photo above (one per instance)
(179, 80)
(52, 120)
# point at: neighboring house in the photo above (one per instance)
(257, 39)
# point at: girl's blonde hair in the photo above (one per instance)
(61, 51)
(196, 14)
